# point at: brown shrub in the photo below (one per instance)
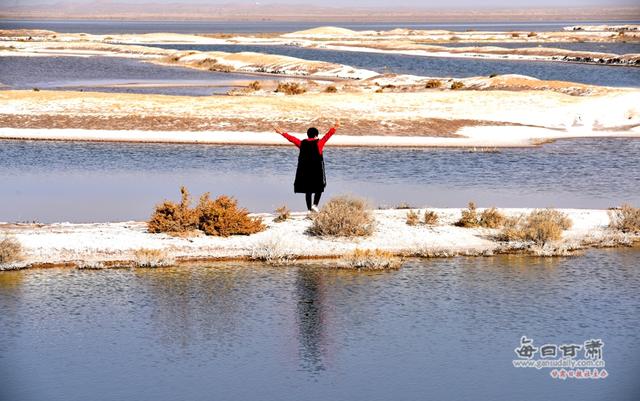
(469, 218)
(282, 214)
(491, 218)
(219, 217)
(222, 217)
(532, 34)
(170, 217)
(433, 83)
(457, 85)
(625, 219)
(331, 89)
(430, 218)
(290, 88)
(10, 250)
(412, 218)
(255, 85)
(539, 226)
(515, 35)
(368, 259)
(343, 216)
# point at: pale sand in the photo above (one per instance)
(481, 136)
(95, 244)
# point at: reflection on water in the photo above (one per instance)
(445, 328)
(58, 181)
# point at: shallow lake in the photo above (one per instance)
(445, 66)
(84, 182)
(114, 74)
(442, 329)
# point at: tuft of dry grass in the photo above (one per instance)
(222, 217)
(10, 250)
(331, 89)
(515, 35)
(282, 214)
(370, 259)
(457, 85)
(430, 218)
(491, 218)
(219, 217)
(433, 84)
(469, 218)
(255, 85)
(145, 257)
(403, 205)
(540, 226)
(171, 217)
(625, 219)
(290, 88)
(343, 216)
(274, 250)
(412, 218)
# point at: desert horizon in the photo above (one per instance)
(301, 12)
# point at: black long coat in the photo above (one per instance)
(310, 176)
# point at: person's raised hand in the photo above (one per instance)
(277, 129)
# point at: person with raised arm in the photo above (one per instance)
(310, 175)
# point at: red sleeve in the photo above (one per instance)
(292, 139)
(325, 138)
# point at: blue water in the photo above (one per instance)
(446, 67)
(443, 329)
(84, 182)
(107, 27)
(98, 73)
(602, 47)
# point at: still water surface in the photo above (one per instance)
(437, 329)
(80, 182)
(113, 74)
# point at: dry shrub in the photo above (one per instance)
(412, 218)
(457, 85)
(539, 226)
(491, 218)
(10, 250)
(331, 89)
(282, 214)
(625, 219)
(170, 217)
(532, 34)
(469, 218)
(433, 83)
(430, 218)
(255, 85)
(515, 35)
(343, 216)
(370, 259)
(291, 88)
(403, 205)
(222, 217)
(145, 257)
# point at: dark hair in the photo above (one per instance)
(312, 132)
